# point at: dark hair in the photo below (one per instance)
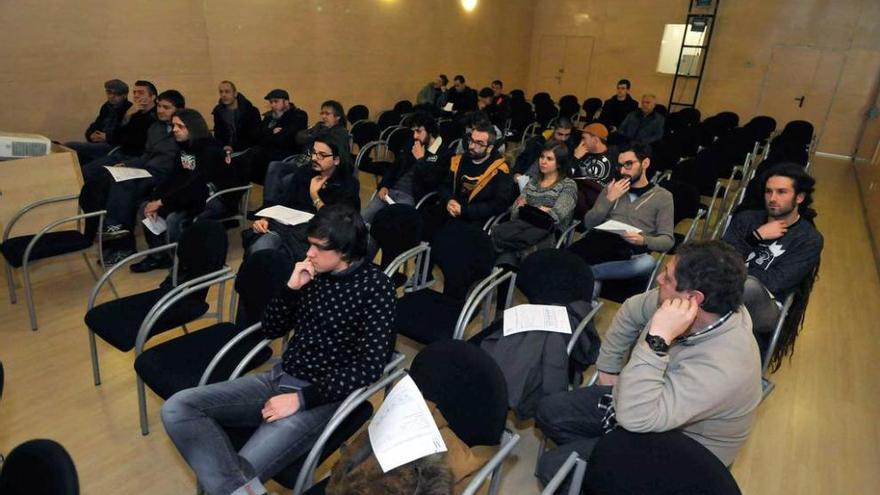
(487, 127)
(174, 97)
(803, 184)
(147, 84)
(194, 122)
(231, 84)
(498, 82)
(563, 158)
(714, 268)
(342, 228)
(563, 123)
(625, 81)
(423, 119)
(486, 93)
(459, 78)
(642, 150)
(337, 109)
(444, 79)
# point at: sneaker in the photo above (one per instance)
(114, 232)
(114, 257)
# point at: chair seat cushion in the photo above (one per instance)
(427, 316)
(51, 244)
(375, 168)
(621, 290)
(118, 321)
(178, 364)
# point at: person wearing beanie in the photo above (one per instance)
(100, 135)
(277, 135)
(592, 157)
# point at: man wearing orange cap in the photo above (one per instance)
(593, 158)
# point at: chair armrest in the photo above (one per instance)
(581, 326)
(225, 349)
(422, 254)
(573, 462)
(366, 149)
(31, 206)
(425, 198)
(354, 399)
(476, 297)
(109, 273)
(493, 464)
(230, 190)
(75, 218)
(566, 235)
(173, 296)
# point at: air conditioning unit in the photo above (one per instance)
(14, 145)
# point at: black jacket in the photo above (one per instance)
(483, 190)
(247, 125)
(197, 164)
(284, 141)
(341, 188)
(108, 120)
(160, 153)
(132, 137)
(428, 172)
(614, 110)
(463, 102)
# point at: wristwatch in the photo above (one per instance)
(657, 344)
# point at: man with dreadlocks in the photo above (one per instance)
(781, 247)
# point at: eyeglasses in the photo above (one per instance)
(481, 144)
(628, 164)
(319, 154)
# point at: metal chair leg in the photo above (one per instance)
(93, 352)
(142, 407)
(29, 296)
(542, 447)
(10, 282)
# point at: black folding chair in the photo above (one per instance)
(39, 467)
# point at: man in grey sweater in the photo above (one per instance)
(693, 364)
(634, 200)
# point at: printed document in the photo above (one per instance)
(536, 317)
(156, 226)
(616, 227)
(285, 215)
(127, 173)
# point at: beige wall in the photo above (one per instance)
(837, 42)
(58, 53)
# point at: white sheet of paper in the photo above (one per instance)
(616, 227)
(127, 173)
(447, 107)
(522, 180)
(403, 429)
(156, 227)
(285, 215)
(389, 199)
(536, 317)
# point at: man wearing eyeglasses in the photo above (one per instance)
(326, 181)
(647, 210)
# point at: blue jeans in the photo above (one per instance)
(375, 205)
(194, 419)
(637, 266)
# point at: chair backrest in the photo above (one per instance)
(689, 116)
(762, 126)
(555, 276)
(400, 139)
(657, 463)
(388, 118)
(467, 386)
(685, 199)
(450, 130)
(364, 131)
(260, 277)
(2, 379)
(661, 109)
(396, 228)
(403, 106)
(588, 192)
(202, 249)
(542, 98)
(569, 106)
(39, 466)
(358, 112)
(545, 113)
(799, 131)
(592, 106)
(464, 253)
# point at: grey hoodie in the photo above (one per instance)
(652, 213)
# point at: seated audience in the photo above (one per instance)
(276, 139)
(201, 165)
(547, 202)
(780, 244)
(497, 113)
(342, 309)
(334, 126)
(430, 94)
(527, 160)
(131, 135)
(679, 357)
(592, 158)
(644, 125)
(462, 96)
(498, 96)
(635, 201)
(414, 173)
(616, 108)
(101, 134)
(236, 119)
(326, 181)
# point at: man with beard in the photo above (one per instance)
(591, 157)
(635, 201)
(236, 119)
(415, 173)
(779, 243)
(678, 357)
(328, 180)
(478, 185)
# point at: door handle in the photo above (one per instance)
(800, 101)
